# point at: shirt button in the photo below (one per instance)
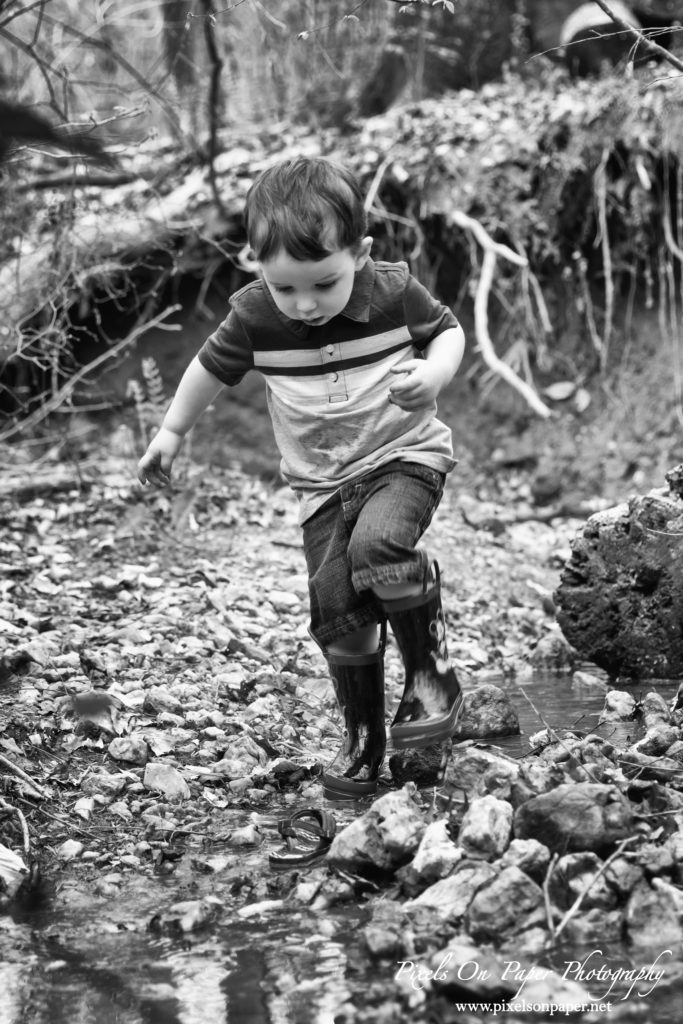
(330, 350)
(333, 376)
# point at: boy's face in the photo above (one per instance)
(313, 290)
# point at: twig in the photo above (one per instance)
(62, 393)
(586, 889)
(22, 821)
(76, 180)
(22, 775)
(635, 33)
(546, 895)
(601, 193)
(213, 99)
(375, 183)
(552, 733)
(493, 249)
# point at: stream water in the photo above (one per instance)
(80, 959)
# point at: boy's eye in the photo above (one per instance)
(279, 288)
(326, 285)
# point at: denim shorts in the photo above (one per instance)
(365, 534)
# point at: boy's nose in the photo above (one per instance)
(306, 304)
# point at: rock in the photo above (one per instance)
(510, 902)
(619, 706)
(553, 653)
(620, 598)
(575, 816)
(654, 858)
(585, 682)
(386, 935)
(165, 779)
(104, 783)
(451, 896)
(423, 767)
(535, 778)
(577, 873)
(529, 856)
(485, 830)
(383, 838)
(132, 749)
(435, 858)
(654, 710)
(13, 871)
(652, 920)
(590, 928)
(477, 771)
(283, 600)
(675, 844)
(187, 916)
(657, 740)
(161, 698)
(70, 849)
(463, 971)
(487, 712)
(623, 875)
(547, 987)
(645, 766)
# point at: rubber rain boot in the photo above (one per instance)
(432, 699)
(358, 681)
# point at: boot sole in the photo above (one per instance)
(427, 731)
(336, 788)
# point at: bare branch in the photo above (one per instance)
(491, 251)
(653, 48)
(214, 98)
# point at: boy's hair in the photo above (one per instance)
(310, 207)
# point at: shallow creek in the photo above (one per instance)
(79, 958)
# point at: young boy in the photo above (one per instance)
(354, 354)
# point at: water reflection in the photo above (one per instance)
(97, 964)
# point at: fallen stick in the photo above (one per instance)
(5, 762)
(492, 250)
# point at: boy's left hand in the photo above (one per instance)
(421, 384)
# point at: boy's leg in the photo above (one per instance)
(397, 509)
(344, 625)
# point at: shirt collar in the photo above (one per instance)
(357, 308)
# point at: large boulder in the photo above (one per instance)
(576, 816)
(620, 598)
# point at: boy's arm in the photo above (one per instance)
(426, 378)
(196, 390)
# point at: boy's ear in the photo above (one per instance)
(363, 252)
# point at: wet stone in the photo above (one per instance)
(619, 706)
(487, 711)
(451, 896)
(654, 709)
(477, 772)
(577, 873)
(657, 740)
(529, 856)
(553, 653)
(511, 902)
(652, 920)
(435, 858)
(576, 816)
(383, 838)
(485, 830)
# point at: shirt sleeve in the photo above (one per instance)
(227, 353)
(426, 317)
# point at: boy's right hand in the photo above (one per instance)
(155, 465)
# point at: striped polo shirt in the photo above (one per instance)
(328, 386)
